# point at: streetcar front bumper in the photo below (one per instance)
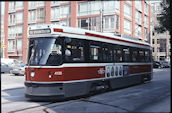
(44, 91)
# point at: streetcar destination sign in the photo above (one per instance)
(39, 31)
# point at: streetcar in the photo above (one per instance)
(66, 62)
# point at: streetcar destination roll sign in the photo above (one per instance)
(39, 31)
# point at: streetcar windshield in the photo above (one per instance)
(45, 51)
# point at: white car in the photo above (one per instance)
(19, 69)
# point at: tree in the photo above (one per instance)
(164, 18)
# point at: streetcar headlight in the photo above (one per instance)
(32, 74)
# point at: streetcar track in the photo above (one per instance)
(45, 105)
(106, 105)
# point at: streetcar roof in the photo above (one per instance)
(58, 30)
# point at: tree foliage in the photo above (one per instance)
(164, 18)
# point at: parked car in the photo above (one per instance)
(165, 64)
(157, 64)
(19, 69)
(10, 62)
(5, 68)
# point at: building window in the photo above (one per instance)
(138, 31)
(36, 4)
(19, 30)
(146, 22)
(11, 45)
(64, 11)
(88, 8)
(19, 5)
(19, 17)
(83, 9)
(110, 8)
(55, 13)
(138, 5)
(12, 19)
(15, 31)
(117, 6)
(127, 11)
(138, 17)
(32, 16)
(146, 8)
(35, 15)
(40, 3)
(157, 41)
(19, 44)
(163, 45)
(153, 41)
(60, 12)
(127, 26)
(111, 22)
(146, 34)
(11, 32)
(32, 4)
(12, 6)
(41, 14)
(89, 23)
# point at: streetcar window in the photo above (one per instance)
(114, 55)
(147, 56)
(141, 55)
(126, 54)
(107, 53)
(134, 55)
(119, 57)
(95, 52)
(45, 51)
(74, 51)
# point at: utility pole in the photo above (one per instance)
(101, 17)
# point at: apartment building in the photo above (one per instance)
(160, 41)
(128, 18)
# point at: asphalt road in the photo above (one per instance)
(152, 96)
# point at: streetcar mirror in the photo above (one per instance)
(67, 40)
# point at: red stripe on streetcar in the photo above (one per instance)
(105, 37)
(58, 30)
(99, 36)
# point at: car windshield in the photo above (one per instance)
(45, 51)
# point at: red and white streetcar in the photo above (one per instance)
(67, 62)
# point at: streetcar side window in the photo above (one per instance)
(141, 55)
(95, 51)
(134, 55)
(147, 55)
(119, 57)
(74, 51)
(126, 54)
(107, 52)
